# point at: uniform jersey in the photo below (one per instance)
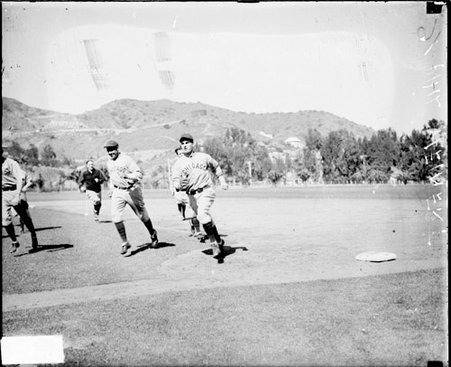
(193, 172)
(12, 174)
(89, 180)
(121, 167)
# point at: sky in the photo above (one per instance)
(377, 64)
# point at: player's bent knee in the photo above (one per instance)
(144, 218)
(117, 219)
(203, 218)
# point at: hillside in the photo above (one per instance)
(151, 128)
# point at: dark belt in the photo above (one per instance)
(121, 188)
(194, 192)
(9, 188)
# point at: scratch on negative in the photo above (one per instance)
(433, 43)
(438, 216)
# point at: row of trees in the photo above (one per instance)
(339, 157)
(33, 157)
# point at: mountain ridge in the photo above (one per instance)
(156, 125)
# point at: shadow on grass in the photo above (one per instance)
(36, 229)
(46, 228)
(227, 250)
(147, 246)
(48, 248)
(204, 238)
(105, 221)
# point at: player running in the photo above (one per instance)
(90, 182)
(12, 184)
(125, 188)
(183, 206)
(191, 173)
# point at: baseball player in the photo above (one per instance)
(27, 183)
(125, 188)
(183, 206)
(12, 184)
(90, 182)
(191, 173)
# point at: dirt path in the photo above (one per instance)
(194, 270)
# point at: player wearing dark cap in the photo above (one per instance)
(191, 174)
(91, 183)
(125, 188)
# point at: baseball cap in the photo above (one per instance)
(111, 144)
(186, 137)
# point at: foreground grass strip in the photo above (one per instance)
(395, 319)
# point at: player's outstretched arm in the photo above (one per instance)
(216, 168)
(223, 182)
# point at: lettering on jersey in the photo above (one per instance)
(119, 170)
(193, 165)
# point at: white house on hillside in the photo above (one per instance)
(294, 142)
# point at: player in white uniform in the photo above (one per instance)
(125, 188)
(12, 184)
(183, 206)
(191, 173)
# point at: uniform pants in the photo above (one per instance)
(201, 204)
(182, 198)
(7, 206)
(133, 198)
(94, 197)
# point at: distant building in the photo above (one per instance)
(294, 142)
(198, 113)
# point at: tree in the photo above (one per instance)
(383, 150)
(312, 156)
(32, 155)
(274, 176)
(261, 163)
(15, 150)
(48, 156)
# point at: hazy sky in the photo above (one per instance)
(377, 64)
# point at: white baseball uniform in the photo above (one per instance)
(126, 190)
(192, 174)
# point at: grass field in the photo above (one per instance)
(289, 291)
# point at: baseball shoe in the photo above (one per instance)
(154, 239)
(198, 235)
(125, 247)
(96, 218)
(14, 246)
(217, 248)
(221, 245)
(34, 240)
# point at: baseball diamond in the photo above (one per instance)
(290, 248)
